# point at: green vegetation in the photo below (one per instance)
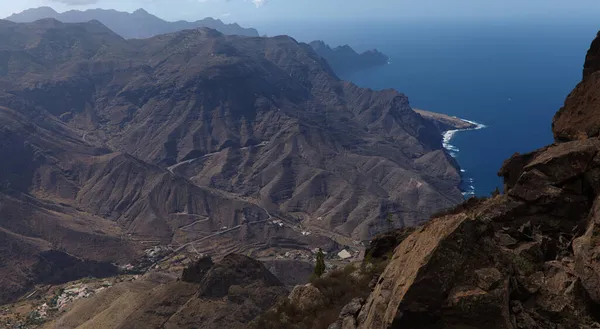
(320, 266)
(34, 319)
(54, 301)
(389, 219)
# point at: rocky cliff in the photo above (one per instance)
(198, 140)
(139, 24)
(344, 59)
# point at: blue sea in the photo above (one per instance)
(510, 76)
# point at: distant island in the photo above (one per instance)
(344, 59)
(137, 25)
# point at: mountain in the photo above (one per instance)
(196, 141)
(344, 59)
(527, 258)
(139, 24)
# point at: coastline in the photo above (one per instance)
(449, 127)
(449, 134)
(468, 187)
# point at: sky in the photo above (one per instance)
(253, 12)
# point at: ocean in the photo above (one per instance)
(510, 77)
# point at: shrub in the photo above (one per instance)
(320, 265)
(338, 288)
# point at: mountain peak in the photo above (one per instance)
(33, 14)
(141, 11)
(45, 10)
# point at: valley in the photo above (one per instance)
(199, 142)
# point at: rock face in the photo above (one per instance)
(384, 244)
(197, 140)
(344, 59)
(579, 118)
(347, 319)
(506, 262)
(525, 259)
(139, 24)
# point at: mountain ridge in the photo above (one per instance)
(139, 24)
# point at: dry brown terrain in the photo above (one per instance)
(195, 141)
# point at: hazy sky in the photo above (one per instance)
(251, 11)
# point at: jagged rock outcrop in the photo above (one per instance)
(478, 269)
(347, 318)
(506, 262)
(524, 259)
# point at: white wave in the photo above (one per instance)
(446, 138)
(453, 151)
(448, 135)
(477, 124)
